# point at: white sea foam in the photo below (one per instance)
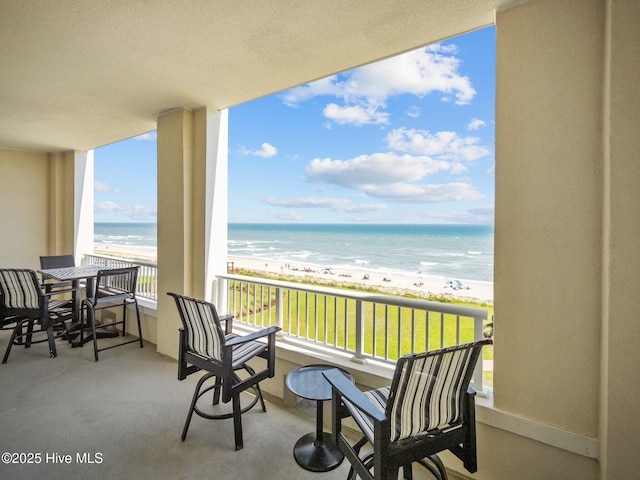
(464, 252)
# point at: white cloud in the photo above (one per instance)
(482, 216)
(421, 72)
(325, 86)
(356, 114)
(334, 204)
(444, 145)
(107, 206)
(307, 202)
(147, 136)
(488, 211)
(287, 215)
(401, 177)
(413, 112)
(366, 208)
(379, 168)
(103, 187)
(475, 124)
(423, 193)
(266, 151)
(130, 212)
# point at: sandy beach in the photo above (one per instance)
(395, 283)
(418, 283)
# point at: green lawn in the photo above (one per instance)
(305, 313)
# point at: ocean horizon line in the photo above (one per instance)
(315, 223)
(442, 250)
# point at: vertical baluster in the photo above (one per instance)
(386, 332)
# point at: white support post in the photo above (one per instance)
(217, 132)
(83, 204)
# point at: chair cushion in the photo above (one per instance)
(204, 336)
(19, 289)
(429, 393)
(379, 398)
(245, 351)
(240, 353)
(428, 396)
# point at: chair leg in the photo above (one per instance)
(11, 340)
(124, 319)
(237, 421)
(407, 472)
(256, 386)
(91, 314)
(194, 400)
(435, 466)
(216, 391)
(139, 325)
(259, 393)
(53, 353)
(27, 342)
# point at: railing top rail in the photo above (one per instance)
(120, 259)
(475, 312)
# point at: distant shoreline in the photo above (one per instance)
(359, 275)
(400, 283)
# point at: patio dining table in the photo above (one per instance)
(75, 274)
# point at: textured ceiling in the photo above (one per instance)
(82, 74)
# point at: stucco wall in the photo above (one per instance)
(548, 239)
(620, 402)
(24, 215)
(548, 233)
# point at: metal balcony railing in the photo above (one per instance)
(367, 326)
(364, 325)
(147, 286)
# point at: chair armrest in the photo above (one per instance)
(228, 323)
(252, 336)
(350, 392)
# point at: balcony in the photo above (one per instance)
(121, 417)
(353, 326)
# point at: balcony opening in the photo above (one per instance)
(378, 179)
(125, 199)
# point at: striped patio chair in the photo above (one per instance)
(205, 346)
(24, 304)
(427, 409)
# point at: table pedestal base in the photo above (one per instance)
(317, 456)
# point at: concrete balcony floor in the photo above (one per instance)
(127, 412)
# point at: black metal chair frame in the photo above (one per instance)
(67, 306)
(388, 456)
(17, 318)
(115, 287)
(226, 381)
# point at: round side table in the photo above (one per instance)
(315, 451)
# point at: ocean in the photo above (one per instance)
(463, 252)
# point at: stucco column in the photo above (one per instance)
(192, 211)
(620, 387)
(70, 203)
(548, 237)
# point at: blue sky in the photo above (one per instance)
(409, 139)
